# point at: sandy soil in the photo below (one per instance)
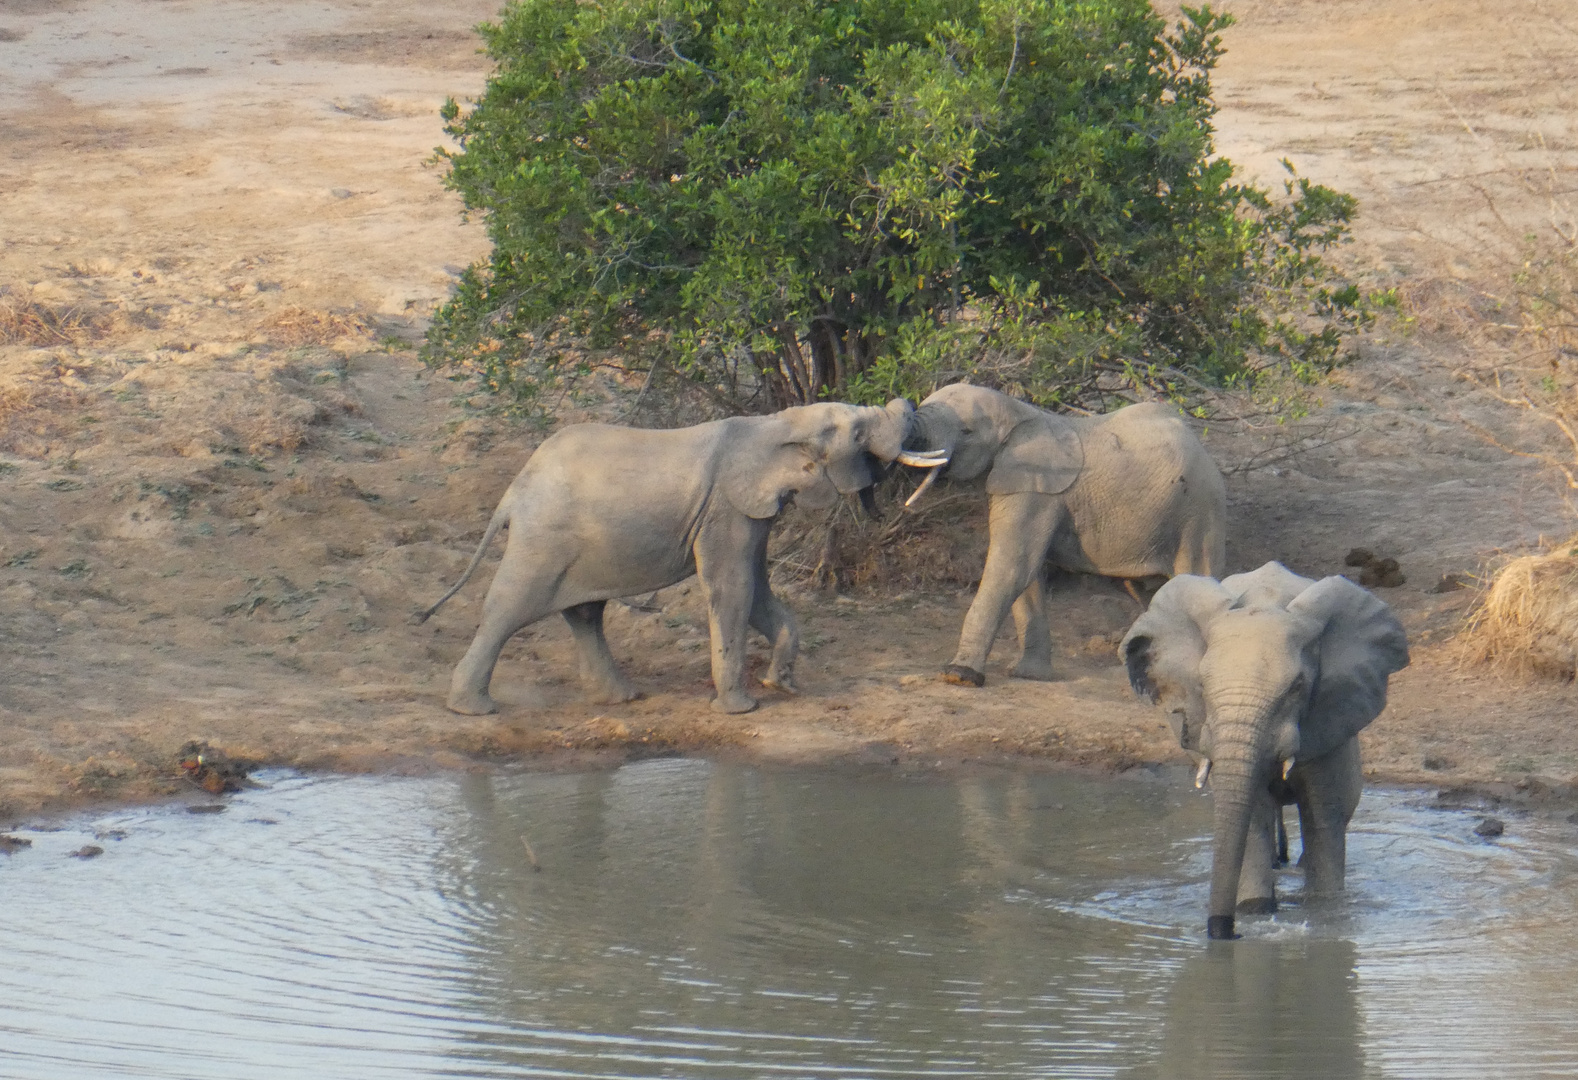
(225, 480)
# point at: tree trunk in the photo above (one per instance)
(796, 371)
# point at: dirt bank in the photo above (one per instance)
(225, 481)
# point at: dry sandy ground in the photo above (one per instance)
(225, 481)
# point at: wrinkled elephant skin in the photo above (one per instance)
(601, 512)
(1131, 494)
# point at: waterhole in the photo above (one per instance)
(690, 919)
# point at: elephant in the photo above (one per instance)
(1130, 494)
(600, 512)
(1267, 678)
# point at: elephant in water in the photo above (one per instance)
(601, 512)
(1131, 494)
(1267, 679)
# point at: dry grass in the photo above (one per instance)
(1528, 620)
(33, 414)
(13, 401)
(304, 326)
(26, 321)
(938, 544)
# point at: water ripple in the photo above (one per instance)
(716, 921)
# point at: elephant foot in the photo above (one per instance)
(1220, 928)
(1037, 670)
(783, 684)
(617, 694)
(1258, 905)
(733, 702)
(960, 675)
(471, 704)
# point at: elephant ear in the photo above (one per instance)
(1163, 649)
(764, 464)
(1040, 454)
(1273, 585)
(1361, 644)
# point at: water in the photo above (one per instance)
(701, 920)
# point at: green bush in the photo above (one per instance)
(776, 202)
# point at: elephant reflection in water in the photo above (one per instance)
(1287, 1009)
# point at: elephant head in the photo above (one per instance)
(813, 453)
(1016, 445)
(1255, 672)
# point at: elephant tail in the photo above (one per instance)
(501, 518)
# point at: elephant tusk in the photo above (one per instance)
(923, 459)
(926, 483)
(1287, 767)
(1203, 772)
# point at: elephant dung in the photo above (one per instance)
(1383, 574)
(1375, 572)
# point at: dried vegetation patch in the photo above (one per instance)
(1527, 621)
(25, 320)
(940, 543)
(305, 326)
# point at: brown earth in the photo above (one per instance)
(226, 481)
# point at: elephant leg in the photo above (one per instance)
(605, 684)
(521, 594)
(1257, 894)
(1035, 633)
(724, 564)
(772, 618)
(1328, 792)
(1021, 528)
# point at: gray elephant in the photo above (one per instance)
(1131, 494)
(601, 512)
(1267, 679)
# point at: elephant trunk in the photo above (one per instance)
(889, 430)
(931, 427)
(1240, 767)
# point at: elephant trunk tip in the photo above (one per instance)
(1220, 928)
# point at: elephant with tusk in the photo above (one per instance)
(1131, 494)
(1267, 679)
(601, 512)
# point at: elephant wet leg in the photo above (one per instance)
(1257, 893)
(1327, 791)
(728, 582)
(605, 684)
(518, 597)
(1035, 633)
(1021, 530)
